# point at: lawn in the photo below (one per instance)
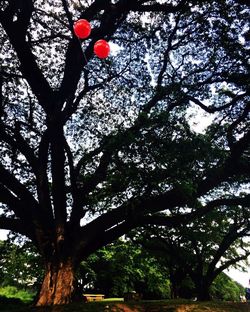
(142, 306)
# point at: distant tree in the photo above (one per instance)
(224, 288)
(203, 249)
(91, 149)
(20, 266)
(122, 267)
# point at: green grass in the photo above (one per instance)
(142, 306)
(113, 300)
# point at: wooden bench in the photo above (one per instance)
(93, 297)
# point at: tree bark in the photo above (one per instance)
(175, 280)
(203, 290)
(58, 283)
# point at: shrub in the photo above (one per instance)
(11, 292)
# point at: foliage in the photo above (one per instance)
(226, 289)
(13, 292)
(20, 265)
(122, 267)
(201, 250)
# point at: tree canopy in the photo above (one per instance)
(91, 149)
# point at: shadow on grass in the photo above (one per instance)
(143, 306)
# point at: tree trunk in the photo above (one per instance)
(58, 284)
(174, 287)
(203, 290)
(176, 277)
(204, 295)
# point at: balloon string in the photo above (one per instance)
(84, 55)
(106, 69)
(86, 60)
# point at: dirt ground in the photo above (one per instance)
(226, 307)
(140, 306)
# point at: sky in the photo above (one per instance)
(3, 234)
(240, 277)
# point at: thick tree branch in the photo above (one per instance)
(157, 7)
(16, 141)
(227, 241)
(21, 192)
(230, 167)
(57, 141)
(76, 213)
(15, 225)
(43, 187)
(229, 263)
(239, 147)
(22, 203)
(176, 220)
(19, 207)
(244, 116)
(16, 33)
(208, 109)
(134, 209)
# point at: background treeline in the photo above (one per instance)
(113, 270)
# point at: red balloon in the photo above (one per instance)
(101, 48)
(82, 29)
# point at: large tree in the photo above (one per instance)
(203, 249)
(91, 149)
